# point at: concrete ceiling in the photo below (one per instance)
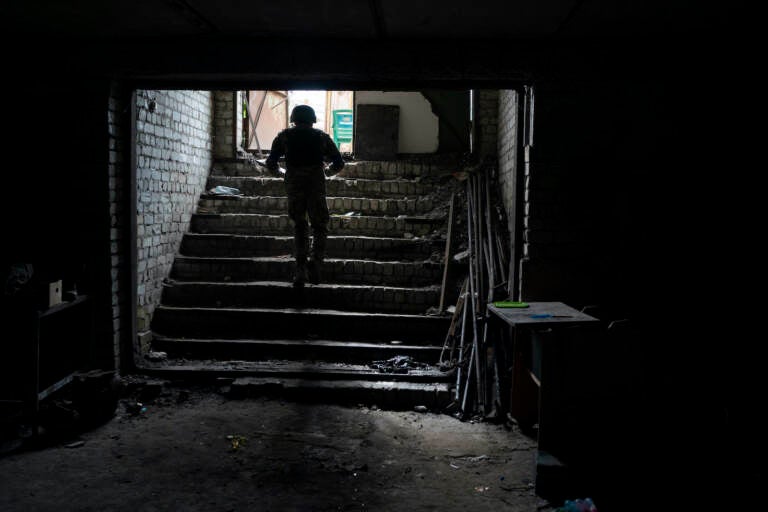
(365, 19)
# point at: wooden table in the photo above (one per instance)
(542, 340)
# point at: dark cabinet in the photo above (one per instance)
(42, 350)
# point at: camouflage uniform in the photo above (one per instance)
(305, 150)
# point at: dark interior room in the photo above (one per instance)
(537, 285)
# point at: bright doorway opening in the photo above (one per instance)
(267, 112)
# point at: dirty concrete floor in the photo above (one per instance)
(195, 449)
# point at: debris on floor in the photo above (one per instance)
(156, 356)
(580, 505)
(236, 441)
(221, 190)
(398, 364)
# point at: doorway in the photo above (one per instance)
(266, 113)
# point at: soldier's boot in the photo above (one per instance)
(301, 273)
(318, 254)
(301, 246)
(314, 270)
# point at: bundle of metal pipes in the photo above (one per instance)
(468, 348)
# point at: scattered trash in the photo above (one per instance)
(135, 408)
(355, 469)
(454, 466)
(221, 190)
(585, 505)
(236, 441)
(446, 366)
(478, 458)
(352, 214)
(263, 162)
(461, 257)
(482, 488)
(157, 356)
(398, 364)
(76, 444)
(421, 408)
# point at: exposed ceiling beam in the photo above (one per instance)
(193, 14)
(571, 14)
(378, 22)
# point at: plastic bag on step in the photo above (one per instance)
(221, 190)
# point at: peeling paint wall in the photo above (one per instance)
(419, 126)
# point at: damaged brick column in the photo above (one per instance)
(228, 123)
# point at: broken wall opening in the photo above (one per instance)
(422, 122)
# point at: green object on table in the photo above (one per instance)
(510, 304)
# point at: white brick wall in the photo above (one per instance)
(486, 122)
(507, 147)
(174, 156)
(228, 123)
(506, 144)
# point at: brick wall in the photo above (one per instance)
(507, 156)
(486, 122)
(228, 124)
(174, 156)
(119, 211)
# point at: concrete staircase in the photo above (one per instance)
(230, 306)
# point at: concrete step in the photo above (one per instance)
(261, 323)
(282, 294)
(391, 393)
(373, 170)
(338, 205)
(305, 369)
(363, 225)
(351, 352)
(384, 394)
(237, 167)
(335, 187)
(339, 271)
(363, 169)
(360, 247)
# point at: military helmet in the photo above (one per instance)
(303, 114)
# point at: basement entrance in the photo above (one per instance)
(215, 291)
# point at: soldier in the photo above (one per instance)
(305, 149)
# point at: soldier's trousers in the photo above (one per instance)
(305, 187)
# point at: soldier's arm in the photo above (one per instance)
(332, 152)
(277, 151)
